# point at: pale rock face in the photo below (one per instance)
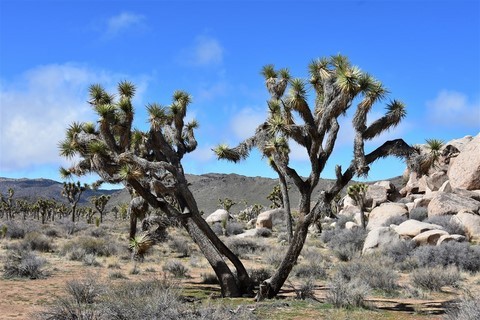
(350, 225)
(377, 194)
(450, 237)
(379, 238)
(444, 203)
(464, 171)
(471, 224)
(266, 218)
(429, 237)
(436, 180)
(381, 214)
(411, 228)
(218, 215)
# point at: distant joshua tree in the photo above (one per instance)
(73, 191)
(337, 85)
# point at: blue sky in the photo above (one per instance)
(427, 53)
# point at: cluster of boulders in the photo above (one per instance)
(451, 188)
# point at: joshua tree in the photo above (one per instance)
(73, 191)
(149, 162)
(226, 203)
(357, 192)
(100, 202)
(336, 84)
(7, 203)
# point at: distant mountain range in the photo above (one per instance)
(206, 188)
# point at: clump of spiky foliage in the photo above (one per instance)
(140, 245)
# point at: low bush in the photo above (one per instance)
(347, 294)
(259, 275)
(342, 220)
(37, 241)
(244, 246)
(306, 289)
(180, 245)
(273, 257)
(90, 260)
(419, 213)
(24, 264)
(234, 228)
(309, 271)
(460, 254)
(80, 246)
(467, 308)
(264, 232)
(448, 224)
(85, 290)
(396, 220)
(175, 268)
(372, 270)
(209, 278)
(14, 230)
(435, 278)
(345, 244)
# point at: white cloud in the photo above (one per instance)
(123, 22)
(453, 109)
(38, 107)
(245, 122)
(205, 51)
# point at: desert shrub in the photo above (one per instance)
(175, 268)
(149, 299)
(14, 230)
(234, 228)
(90, 260)
(396, 220)
(273, 257)
(376, 273)
(342, 220)
(180, 245)
(306, 289)
(345, 244)
(24, 264)
(209, 278)
(435, 278)
(70, 227)
(244, 246)
(52, 232)
(98, 232)
(37, 241)
(91, 245)
(85, 290)
(449, 225)
(310, 271)
(259, 275)
(460, 254)
(419, 213)
(117, 275)
(400, 253)
(468, 308)
(217, 228)
(347, 294)
(263, 232)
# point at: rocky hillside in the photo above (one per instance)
(207, 189)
